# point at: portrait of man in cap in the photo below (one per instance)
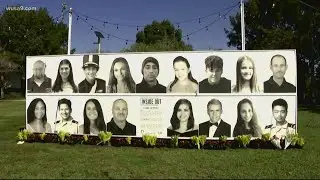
(91, 84)
(150, 72)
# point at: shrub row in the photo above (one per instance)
(149, 141)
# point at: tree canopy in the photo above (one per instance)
(159, 36)
(282, 24)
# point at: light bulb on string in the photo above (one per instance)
(91, 27)
(117, 26)
(219, 15)
(126, 42)
(137, 28)
(199, 21)
(108, 36)
(188, 37)
(224, 17)
(207, 28)
(178, 26)
(77, 18)
(86, 18)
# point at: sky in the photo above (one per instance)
(129, 14)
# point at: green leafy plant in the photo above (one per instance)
(128, 139)
(202, 139)
(196, 141)
(42, 136)
(85, 139)
(149, 139)
(266, 137)
(104, 137)
(175, 140)
(243, 140)
(63, 136)
(223, 139)
(295, 139)
(20, 136)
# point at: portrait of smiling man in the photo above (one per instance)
(150, 71)
(277, 83)
(91, 84)
(119, 124)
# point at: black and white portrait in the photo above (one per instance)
(182, 120)
(150, 71)
(183, 81)
(215, 127)
(37, 117)
(64, 81)
(120, 78)
(93, 118)
(39, 82)
(91, 84)
(119, 124)
(277, 82)
(214, 83)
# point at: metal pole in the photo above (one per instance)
(99, 45)
(69, 34)
(243, 38)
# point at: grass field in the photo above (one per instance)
(36, 160)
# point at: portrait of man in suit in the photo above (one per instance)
(215, 127)
(91, 84)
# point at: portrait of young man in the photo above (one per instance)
(119, 124)
(215, 127)
(214, 83)
(91, 84)
(39, 82)
(277, 83)
(282, 128)
(150, 71)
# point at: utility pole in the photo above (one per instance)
(243, 36)
(69, 33)
(99, 35)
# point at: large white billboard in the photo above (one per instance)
(210, 93)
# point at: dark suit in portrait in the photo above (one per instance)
(223, 129)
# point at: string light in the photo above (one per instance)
(137, 27)
(210, 24)
(199, 19)
(77, 18)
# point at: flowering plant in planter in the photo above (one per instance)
(63, 136)
(42, 136)
(128, 140)
(85, 139)
(175, 141)
(243, 140)
(149, 140)
(104, 137)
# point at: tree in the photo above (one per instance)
(282, 24)
(30, 33)
(159, 36)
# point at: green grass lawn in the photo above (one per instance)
(37, 160)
